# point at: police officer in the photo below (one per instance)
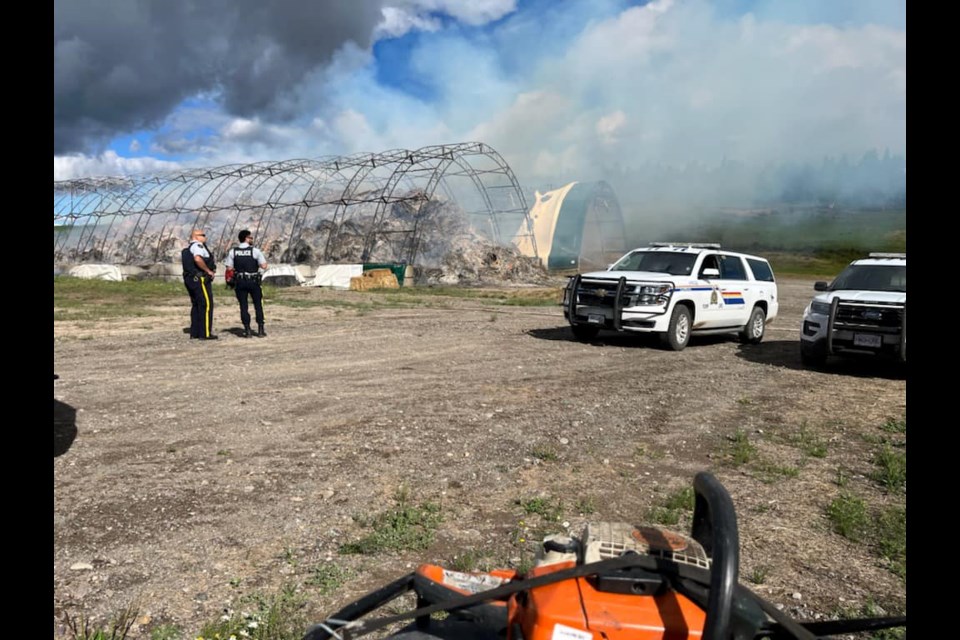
(246, 260)
(199, 268)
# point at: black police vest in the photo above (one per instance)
(244, 262)
(190, 267)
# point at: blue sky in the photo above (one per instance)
(561, 89)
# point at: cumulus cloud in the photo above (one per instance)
(107, 164)
(120, 65)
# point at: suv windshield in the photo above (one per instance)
(676, 264)
(872, 278)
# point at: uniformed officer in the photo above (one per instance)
(247, 260)
(199, 268)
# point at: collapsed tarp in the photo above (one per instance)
(335, 275)
(97, 272)
(579, 226)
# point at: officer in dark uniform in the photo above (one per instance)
(246, 261)
(199, 268)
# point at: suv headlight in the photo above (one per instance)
(651, 294)
(820, 308)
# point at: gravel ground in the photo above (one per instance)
(187, 473)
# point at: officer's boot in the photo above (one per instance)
(260, 331)
(246, 331)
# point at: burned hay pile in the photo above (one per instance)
(447, 244)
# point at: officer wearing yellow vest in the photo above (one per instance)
(247, 261)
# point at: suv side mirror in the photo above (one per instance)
(710, 273)
(820, 285)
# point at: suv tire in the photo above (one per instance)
(678, 331)
(752, 332)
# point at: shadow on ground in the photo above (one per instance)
(64, 427)
(786, 353)
(624, 339)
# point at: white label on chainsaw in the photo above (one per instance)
(563, 632)
(471, 582)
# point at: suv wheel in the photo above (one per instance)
(752, 332)
(678, 332)
(584, 332)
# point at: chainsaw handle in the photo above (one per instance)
(715, 528)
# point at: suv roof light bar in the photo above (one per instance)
(888, 255)
(691, 245)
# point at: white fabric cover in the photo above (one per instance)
(97, 272)
(283, 270)
(336, 276)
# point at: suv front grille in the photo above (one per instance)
(872, 315)
(599, 294)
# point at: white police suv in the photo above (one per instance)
(675, 290)
(862, 312)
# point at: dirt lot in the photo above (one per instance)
(188, 474)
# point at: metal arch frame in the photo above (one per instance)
(445, 156)
(409, 163)
(300, 173)
(365, 163)
(193, 182)
(174, 189)
(255, 179)
(144, 197)
(70, 193)
(326, 168)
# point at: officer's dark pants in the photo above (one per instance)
(249, 287)
(201, 306)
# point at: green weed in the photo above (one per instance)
(895, 426)
(81, 627)
(405, 527)
(545, 453)
(260, 617)
(810, 443)
(327, 578)
(683, 499)
(166, 632)
(770, 472)
(891, 470)
(643, 451)
(891, 539)
(841, 478)
(669, 511)
(465, 561)
(740, 451)
(546, 508)
(848, 514)
(585, 505)
(90, 300)
(759, 575)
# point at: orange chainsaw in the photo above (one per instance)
(614, 582)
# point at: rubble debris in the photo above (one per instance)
(448, 249)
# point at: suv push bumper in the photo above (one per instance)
(836, 334)
(613, 313)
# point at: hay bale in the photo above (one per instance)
(374, 279)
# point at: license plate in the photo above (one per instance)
(867, 340)
(595, 318)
